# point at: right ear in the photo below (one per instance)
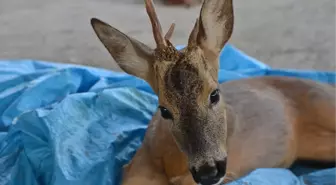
(213, 28)
(132, 56)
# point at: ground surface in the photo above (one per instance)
(284, 34)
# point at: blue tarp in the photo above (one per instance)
(63, 124)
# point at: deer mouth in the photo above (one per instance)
(212, 182)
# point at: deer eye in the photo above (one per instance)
(165, 113)
(214, 96)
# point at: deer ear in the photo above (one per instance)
(132, 56)
(215, 25)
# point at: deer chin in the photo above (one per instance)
(218, 183)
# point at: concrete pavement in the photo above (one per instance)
(284, 34)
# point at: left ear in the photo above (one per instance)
(132, 56)
(215, 26)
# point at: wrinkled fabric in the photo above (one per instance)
(65, 124)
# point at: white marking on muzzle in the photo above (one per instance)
(218, 183)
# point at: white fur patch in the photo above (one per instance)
(218, 183)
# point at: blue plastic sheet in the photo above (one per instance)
(66, 124)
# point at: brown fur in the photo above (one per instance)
(258, 122)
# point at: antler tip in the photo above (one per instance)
(170, 31)
(156, 26)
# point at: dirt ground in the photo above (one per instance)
(284, 34)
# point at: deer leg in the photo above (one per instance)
(183, 180)
(142, 170)
(150, 177)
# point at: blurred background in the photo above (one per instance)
(284, 34)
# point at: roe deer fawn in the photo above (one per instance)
(209, 133)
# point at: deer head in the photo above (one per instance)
(186, 82)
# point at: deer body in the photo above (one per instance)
(272, 121)
(206, 132)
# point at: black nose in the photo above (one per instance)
(209, 174)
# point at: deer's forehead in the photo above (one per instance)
(182, 80)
